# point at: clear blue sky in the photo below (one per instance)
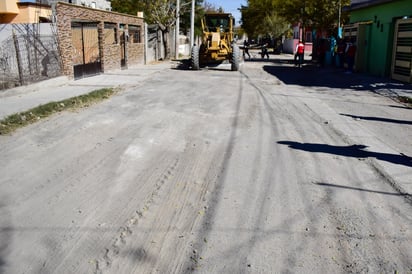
(230, 6)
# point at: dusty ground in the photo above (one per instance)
(267, 170)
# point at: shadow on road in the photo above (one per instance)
(401, 107)
(378, 119)
(310, 75)
(185, 64)
(355, 151)
(5, 235)
(360, 189)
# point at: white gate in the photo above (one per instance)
(402, 51)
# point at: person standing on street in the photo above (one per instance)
(340, 51)
(299, 52)
(350, 55)
(264, 51)
(322, 52)
(246, 49)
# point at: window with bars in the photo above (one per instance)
(135, 34)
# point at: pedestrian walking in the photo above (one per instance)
(350, 55)
(299, 53)
(322, 52)
(340, 51)
(246, 49)
(264, 51)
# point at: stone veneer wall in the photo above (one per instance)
(112, 57)
(135, 53)
(109, 54)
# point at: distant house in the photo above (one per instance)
(40, 11)
(382, 31)
(93, 41)
(19, 12)
(94, 4)
(299, 33)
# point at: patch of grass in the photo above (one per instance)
(18, 120)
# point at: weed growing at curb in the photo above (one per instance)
(18, 120)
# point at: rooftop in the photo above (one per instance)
(359, 4)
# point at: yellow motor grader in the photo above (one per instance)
(218, 44)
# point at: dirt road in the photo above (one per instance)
(267, 170)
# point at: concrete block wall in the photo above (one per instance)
(109, 54)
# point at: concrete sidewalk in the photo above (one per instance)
(23, 98)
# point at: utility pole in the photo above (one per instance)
(339, 28)
(192, 25)
(177, 29)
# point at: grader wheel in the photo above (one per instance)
(194, 58)
(235, 57)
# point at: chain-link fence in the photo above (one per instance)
(28, 53)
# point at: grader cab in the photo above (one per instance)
(218, 44)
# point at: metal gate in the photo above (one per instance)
(402, 51)
(86, 53)
(359, 33)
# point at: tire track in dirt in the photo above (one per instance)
(303, 119)
(218, 174)
(279, 111)
(124, 233)
(361, 224)
(176, 189)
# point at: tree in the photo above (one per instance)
(320, 14)
(200, 8)
(159, 12)
(162, 13)
(261, 16)
(127, 6)
(209, 7)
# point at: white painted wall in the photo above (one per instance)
(97, 4)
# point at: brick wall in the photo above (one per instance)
(110, 53)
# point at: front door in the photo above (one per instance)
(86, 50)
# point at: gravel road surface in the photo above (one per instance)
(272, 169)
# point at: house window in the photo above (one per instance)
(296, 35)
(110, 33)
(135, 34)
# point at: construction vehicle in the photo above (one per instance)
(218, 44)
